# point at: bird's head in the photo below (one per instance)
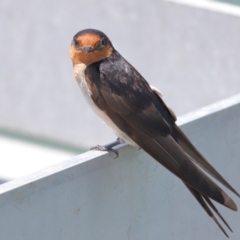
(89, 46)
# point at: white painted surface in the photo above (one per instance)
(95, 197)
(212, 5)
(189, 52)
(19, 158)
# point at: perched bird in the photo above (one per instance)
(136, 113)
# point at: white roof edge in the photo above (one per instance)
(55, 168)
(225, 8)
(215, 107)
(21, 181)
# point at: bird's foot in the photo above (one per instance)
(108, 148)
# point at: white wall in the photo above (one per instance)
(191, 53)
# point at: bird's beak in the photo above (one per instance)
(87, 49)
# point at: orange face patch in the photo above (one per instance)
(78, 56)
(88, 40)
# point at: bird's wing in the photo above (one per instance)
(193, 153)
(197, 157)
(130, 103)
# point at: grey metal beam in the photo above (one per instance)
(96, 197)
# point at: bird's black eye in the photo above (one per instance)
(75, 42)
(103, 42)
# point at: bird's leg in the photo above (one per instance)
(122, 141)
(108, 147)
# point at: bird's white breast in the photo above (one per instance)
(79, 73)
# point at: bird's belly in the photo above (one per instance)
(80, 77)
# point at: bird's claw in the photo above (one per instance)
(107, 149)
(99, 148)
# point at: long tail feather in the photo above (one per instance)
(200, 198)
(197, 157)
(216, 211)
